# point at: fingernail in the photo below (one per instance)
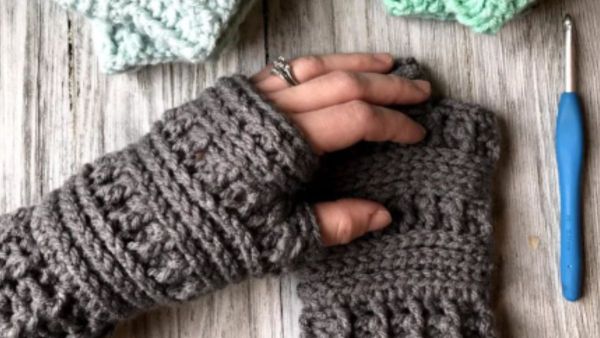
(379, 220)
(420, 133)
(383, 57)
(423, 86)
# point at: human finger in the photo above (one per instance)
(340, 126)
(340, 86)
(309, 67)
(344, 220)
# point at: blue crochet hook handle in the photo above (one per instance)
(569, 153)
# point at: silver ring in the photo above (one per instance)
(283, 69)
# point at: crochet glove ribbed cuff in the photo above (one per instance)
(129, 34)
(483, 16)
(207, 198)
(428, 274)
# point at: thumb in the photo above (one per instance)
(344, 220)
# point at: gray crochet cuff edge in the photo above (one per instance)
(309, 246)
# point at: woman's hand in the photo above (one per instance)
(340, 101)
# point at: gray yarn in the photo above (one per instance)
(217, 191)
(428, 274)
(207, 198)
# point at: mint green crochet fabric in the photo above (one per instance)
(129, 34)
(483, 16)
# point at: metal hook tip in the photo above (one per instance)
(568, 21)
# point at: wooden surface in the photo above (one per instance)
(57, 112)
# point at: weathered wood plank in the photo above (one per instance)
(13, 170)
(34, 99)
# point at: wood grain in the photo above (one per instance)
(57, 111)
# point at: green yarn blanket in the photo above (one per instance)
(483, 16)
(129, 34)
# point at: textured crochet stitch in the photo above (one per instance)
(428, 274)
(129, 34)
(205, 199)
(220, 189)
(483, 16)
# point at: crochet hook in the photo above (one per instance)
(569, 154)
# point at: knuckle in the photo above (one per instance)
(361, 112)
(367, 61)
(312, 63)
(348, 82)
(404, 124)
(406, 87)
(344, 233)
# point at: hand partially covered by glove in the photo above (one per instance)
(342, 100)
(212, 194)
(428, 274)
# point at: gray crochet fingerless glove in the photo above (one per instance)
(205, 199)
(428, 274)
